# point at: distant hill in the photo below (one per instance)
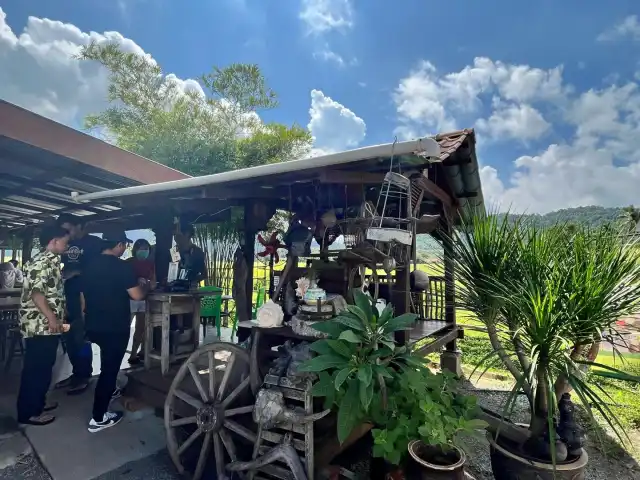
(592, 216)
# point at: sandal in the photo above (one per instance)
(40, 420)
(50, 406)
(79, 387)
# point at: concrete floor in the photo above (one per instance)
(65, 448)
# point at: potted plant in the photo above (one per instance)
(426, 422)
(373, 381)
(357, 360)
(547, 296)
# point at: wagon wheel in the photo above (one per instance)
(359, 271)
(211, 409)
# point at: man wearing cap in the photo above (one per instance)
(109, 284)
(82, 248)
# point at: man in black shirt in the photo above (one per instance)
(191, 256)
(82, 247)
(109, 283)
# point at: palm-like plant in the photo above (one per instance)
(546, 297)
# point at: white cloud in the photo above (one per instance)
(514, 121)
(328, 55)
(333, 126)
(429, 102)
(595, 157)
(628, 28)
(321, 16)
(43, 76)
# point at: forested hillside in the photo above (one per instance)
(592, 216)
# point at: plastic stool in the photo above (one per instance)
(211, 307)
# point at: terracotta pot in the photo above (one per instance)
(427, 469)
(509, 464)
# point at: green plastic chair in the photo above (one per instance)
(211, 307)
(259, 302)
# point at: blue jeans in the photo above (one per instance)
(79, 349)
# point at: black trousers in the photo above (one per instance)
(78, 349)
(113, 346)
(37, 366)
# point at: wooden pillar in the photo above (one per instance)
(249, 250)
(401, 299)
(450, 357)
(163, 231)
(27, 245)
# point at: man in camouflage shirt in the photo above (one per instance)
(41, 322)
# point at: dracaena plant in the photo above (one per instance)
(548, 297)
(358, 360)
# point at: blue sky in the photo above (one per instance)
(551, 87)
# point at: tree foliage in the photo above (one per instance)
(199, 128)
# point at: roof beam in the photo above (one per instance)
(435, 191)
(345, 177)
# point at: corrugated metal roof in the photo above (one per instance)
(42, 162)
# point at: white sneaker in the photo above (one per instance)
(108, 420)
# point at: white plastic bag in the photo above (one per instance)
(62, 368)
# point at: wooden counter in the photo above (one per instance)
(160, 307)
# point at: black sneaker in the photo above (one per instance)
(108, 420)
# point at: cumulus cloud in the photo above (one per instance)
(514, 121)
(429, 101)
(627, 28)
(321, 16)
(333, 126)
(44, 77)
(595, 154)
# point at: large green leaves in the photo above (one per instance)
(322, 362)
(399, 323)
(349, 412)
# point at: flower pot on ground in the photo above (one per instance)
(546, 297)
(430, 462)
(508, 462)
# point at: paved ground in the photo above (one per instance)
(65, 450)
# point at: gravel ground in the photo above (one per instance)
(28, 467)
(154, 467)
(615, 464)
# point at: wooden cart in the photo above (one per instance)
(208, 410)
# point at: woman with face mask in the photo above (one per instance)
(144, 268)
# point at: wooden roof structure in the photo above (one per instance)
(42, 162)
(447, 163)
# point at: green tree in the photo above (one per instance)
(208, 127)
(629, 218)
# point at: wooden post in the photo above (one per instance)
(164, 239)
(401, 299)
(27, 245)
(450, 357)
(249, 253)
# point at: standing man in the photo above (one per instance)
(41, 322)
(191, 256)
(108, 285)
(82, 247)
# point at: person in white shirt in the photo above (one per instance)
(10, 275)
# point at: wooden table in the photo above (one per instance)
(160, 307)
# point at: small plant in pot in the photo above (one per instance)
(424, 428)
(548, 297)
(358, 360)
(371, 380)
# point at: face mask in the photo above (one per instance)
(142, 254)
